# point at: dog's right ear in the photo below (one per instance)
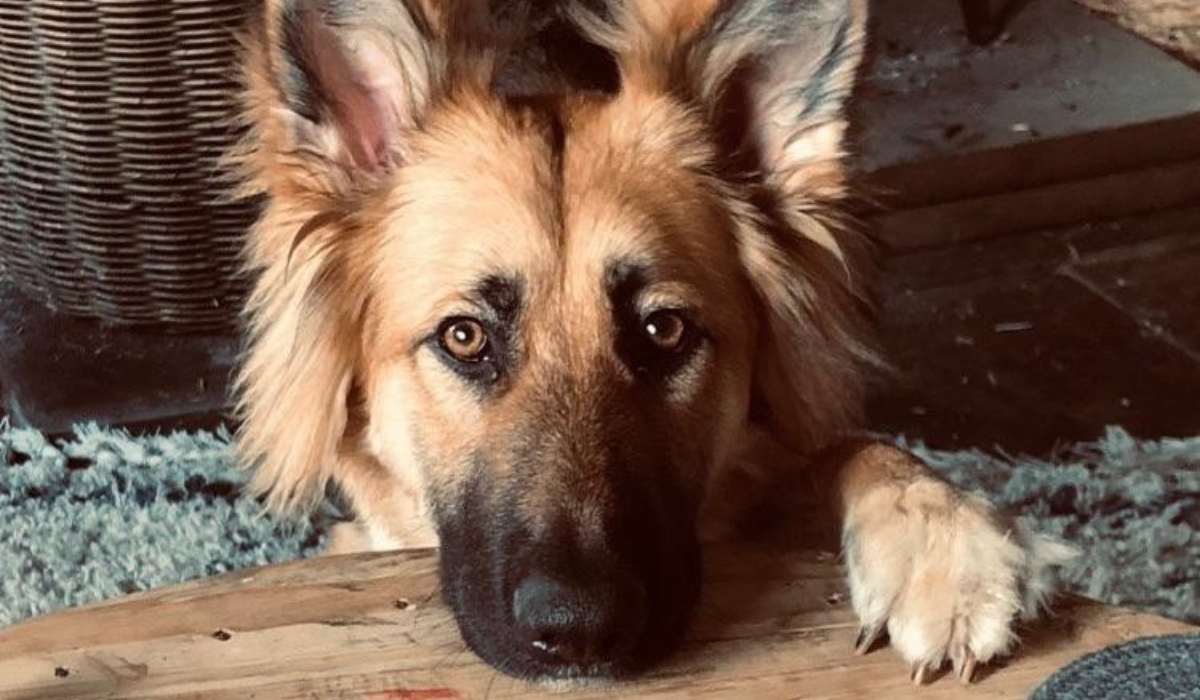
(339, 81)
(333, 88)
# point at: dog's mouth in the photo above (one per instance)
(551, 607)
(610, 624)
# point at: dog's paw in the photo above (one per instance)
(943, 573)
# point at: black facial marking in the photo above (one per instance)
(624, 279)
(482, 373)
(503, 295)
(500, 300)
(624, 282)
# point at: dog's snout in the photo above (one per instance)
(600, 588)
(579, 623)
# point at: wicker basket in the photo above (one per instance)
(113, 114)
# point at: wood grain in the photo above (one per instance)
(1059, 204)
(774, 624)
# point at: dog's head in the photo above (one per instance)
(555, 318)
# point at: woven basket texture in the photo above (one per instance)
(113, 115)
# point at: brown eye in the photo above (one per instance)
(464, 339)
(666, 330)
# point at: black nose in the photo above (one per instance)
(568, 623)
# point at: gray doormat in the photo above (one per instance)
(103, 514)
(1153, 668)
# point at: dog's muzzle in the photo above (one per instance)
(568, 603)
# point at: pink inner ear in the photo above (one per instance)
(366, 123)
(365, 91)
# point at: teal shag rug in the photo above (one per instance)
(103, 514)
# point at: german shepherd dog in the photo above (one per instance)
(553, 326)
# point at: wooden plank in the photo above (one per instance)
(1099, 198)
(773, 625)
(1076, 157)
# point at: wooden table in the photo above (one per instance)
(773, 625)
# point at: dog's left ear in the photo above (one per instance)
(773, 76)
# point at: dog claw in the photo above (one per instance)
(966, 674)
(920, 673)
(867, 636)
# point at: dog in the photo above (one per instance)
(553, 329)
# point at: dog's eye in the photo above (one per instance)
(464, 339)
(667, 330)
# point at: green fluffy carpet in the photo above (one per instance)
(103, 514)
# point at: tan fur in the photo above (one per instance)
(363, 246)
(939, 569)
